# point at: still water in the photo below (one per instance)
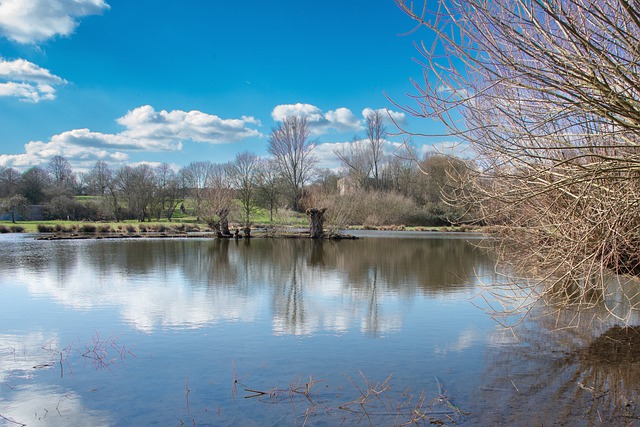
(378, 331)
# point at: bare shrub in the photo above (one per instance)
(104, 228)
(87, 228)
(546, 94)
(377, 208)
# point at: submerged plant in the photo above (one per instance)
(374, 401)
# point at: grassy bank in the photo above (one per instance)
(184, 226)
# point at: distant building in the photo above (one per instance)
(347, 185)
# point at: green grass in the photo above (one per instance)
(260, 218)
(75, 226)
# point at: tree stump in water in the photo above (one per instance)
(316, 222)
(224, 221)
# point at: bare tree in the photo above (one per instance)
(138, 189)
(99, 178)
(171, 190)
(547, 94)
(60, 172)
(357, 158)
(9, 181)
(197, 175)
(243, 173)
(15, 205)
(291, 147)
(269, 185)
(376, 134)
(218, 199)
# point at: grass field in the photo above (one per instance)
(283, 218)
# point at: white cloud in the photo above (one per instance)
(146, 124)
(389, 116)
(72, 145)
(26, 71)
(27, 81)
(31, 21)
(327, 158)
(341, 119)
(146, 130)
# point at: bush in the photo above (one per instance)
(370, 209)
(104, 228)
(16, 229)
(190, 228)
(44, 228)
(4, 229)
(87, 228)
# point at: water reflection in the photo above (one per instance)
(199, 309)
(543, 372)
(303, 285)
(20, 355)
(49, 407)
(23, 357)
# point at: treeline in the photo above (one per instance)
(371, 189)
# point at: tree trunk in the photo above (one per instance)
(316, 222)
(224, 222)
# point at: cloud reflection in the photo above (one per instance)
(49, 407)
(303, 286)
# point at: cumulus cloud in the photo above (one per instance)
(327, 158)
(27, 81)
(146, 130)
(32, 21)
(341, 119)
(388, 115)
(168, 127)
(67, 144)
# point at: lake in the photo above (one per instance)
(386, 330)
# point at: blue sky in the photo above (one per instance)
(129, 81)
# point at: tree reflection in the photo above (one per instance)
(548, 371)
(309, 284)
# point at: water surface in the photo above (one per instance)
(271, 332)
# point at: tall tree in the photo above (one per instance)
(99, 178)
(546, 93)
(243, 173)
(356, 157)
(376, 135)
(33, 184)
(61, 174)
(269, 187)
(218, 199)
(170, 190)
(292, 149)
(197, 175)
(138, 189)
(9, 181)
